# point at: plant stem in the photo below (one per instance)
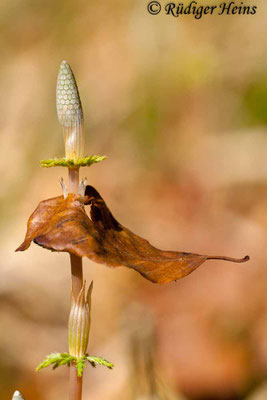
(73, 180)
(75, 382)
(76, 274)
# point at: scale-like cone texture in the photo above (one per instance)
(70, 113)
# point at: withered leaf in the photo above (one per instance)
(62, 225)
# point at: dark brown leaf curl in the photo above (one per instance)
(63, 225)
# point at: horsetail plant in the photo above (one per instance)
(70, 116)
(62, 224)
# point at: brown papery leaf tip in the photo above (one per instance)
(235, 260)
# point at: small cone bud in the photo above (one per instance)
(79, 322)
(70, 113)
(17, 396)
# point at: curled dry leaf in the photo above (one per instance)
(60, 224)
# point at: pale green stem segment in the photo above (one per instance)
(73, 180)
(79, 322)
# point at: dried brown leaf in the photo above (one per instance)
(62, 224)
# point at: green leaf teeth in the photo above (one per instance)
(58, 359)
(99, 361)
(71, 163)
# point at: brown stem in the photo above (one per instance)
(75, 382)
(76, 274)
(236, 260)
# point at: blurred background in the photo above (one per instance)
(179, 107)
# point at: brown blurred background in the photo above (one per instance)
(179, 106)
